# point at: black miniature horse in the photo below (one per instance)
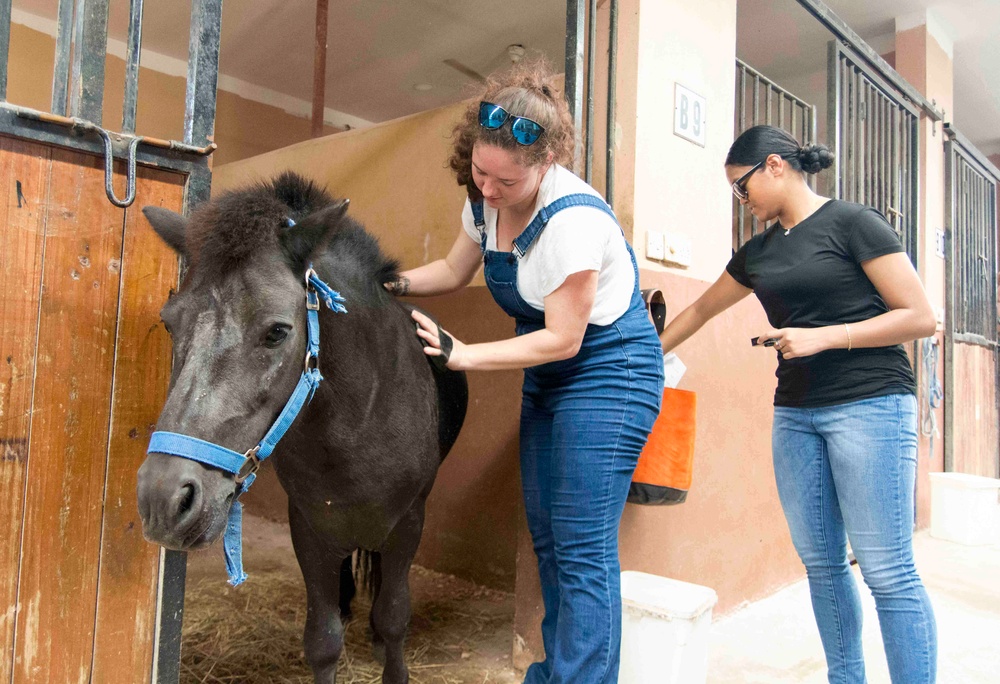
(360, 459)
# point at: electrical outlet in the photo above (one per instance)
(654, 245)
(677, 249)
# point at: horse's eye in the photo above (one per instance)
(276, 335)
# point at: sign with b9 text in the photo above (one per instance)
(689, 115)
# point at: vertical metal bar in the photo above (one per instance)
(756, 100)
(612, 94)
(5, 7)
(834, 117)
(949, 306)
(743, 100)
(132, 67)
(90, 46)
(769, 105)
(856, 132)
(591, 61)
(741, 114)
(781, 111)
(319, 68)
(912, 219)
(60, 74)
(574, 73)
(203, 71)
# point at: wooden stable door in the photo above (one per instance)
(84, 366)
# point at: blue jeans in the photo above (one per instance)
(847, 472)
(583, 423)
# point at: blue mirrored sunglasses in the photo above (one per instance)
(525, 131)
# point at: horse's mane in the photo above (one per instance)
(238, 225)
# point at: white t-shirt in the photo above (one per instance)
(575, 239)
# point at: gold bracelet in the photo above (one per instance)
(848, 329)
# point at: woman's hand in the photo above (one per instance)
(799, 342)
(428, 331)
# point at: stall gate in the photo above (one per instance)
(759, 100)
(85, 362)
(873, 128)
(972, 418)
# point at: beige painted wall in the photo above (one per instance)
(394, 173)
(679, 186)
(243, 127)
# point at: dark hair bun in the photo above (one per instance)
(815, 158)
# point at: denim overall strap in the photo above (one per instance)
(581, 199)
(477, 216)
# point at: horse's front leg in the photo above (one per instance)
(390, 617)
(323, 640)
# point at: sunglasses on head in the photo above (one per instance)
(740, 184)
(525, 131)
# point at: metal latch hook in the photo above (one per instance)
(109, 164)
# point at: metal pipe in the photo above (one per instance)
(612, 94)
(72, 122)
(203, 71)
(319, 67)
(132, 67)
(64, 44)
(90, 46)
(591, 63)
(574, 73)
(5, 7)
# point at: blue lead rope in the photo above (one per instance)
(244, 466)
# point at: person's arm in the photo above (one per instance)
(446, 275)
(723, 293)
(910, 315)
(567, 312)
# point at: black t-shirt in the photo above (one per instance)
(812, 277)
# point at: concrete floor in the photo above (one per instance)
(775, 640)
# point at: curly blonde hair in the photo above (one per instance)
(523, 90)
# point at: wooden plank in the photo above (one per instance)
(23, 173)
(57, 595)
(126, 599)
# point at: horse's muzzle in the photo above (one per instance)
(183, 505)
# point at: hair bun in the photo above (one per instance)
(815, 158)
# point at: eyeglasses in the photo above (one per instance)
(740, 184)
(525, 131)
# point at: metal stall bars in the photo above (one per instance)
(86, 357)
(972, 417)
(579, 18)
(759, 100)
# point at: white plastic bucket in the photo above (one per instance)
(665, 630)
(965, 508)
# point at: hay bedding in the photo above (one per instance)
(253, 634)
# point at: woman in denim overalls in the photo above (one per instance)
(591, 389)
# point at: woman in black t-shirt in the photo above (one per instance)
(841, 297)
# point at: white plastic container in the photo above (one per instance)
(665, 630)
(965, 508)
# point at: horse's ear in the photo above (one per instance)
(169, 225)
(301, 239)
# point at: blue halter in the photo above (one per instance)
(244, 466)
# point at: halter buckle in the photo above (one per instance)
(312, 362)
(250, 465)
(312, 299)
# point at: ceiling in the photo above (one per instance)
(379, 50)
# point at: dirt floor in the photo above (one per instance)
(460, 633)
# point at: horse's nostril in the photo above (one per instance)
(186, 500)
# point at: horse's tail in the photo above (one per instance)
(367, 571)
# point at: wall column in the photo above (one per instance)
(924, 58)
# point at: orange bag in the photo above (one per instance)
(663, 475)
